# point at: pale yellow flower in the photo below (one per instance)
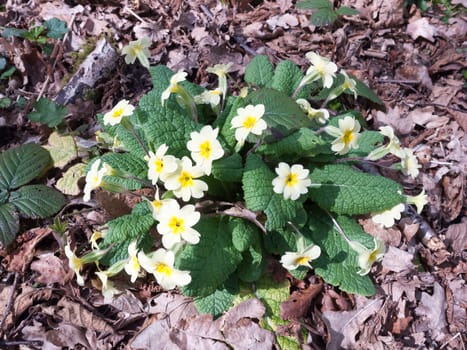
(347, 135)
(161, 264)
(321, 68)
(292, 260)
(173, 87)
(138, 49)
(205, 148)
(367, 257)
(419, 200)
(292, 181)
(409, 163)
(122, 109)
(94, 178)
(319, 115)
(248, 120)
(387, 218)
(160, 165)
(132, 267)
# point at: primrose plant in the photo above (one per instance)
(240, 179)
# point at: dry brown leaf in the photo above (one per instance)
(456, 236)
(425, 117)
(421, 28)
(397, 260)
(402, 125)
(432, 312)
(388, 12)
(298, 304)
(343, 326)
(453, 199)
(51, 269)
(443, 94)
(75, 313)
(37, 332)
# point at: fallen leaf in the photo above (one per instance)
(421, 28)
(453, 199)
(456, 236)
(397, 260)
(62, 149)
(68, 183)
(344, 326)
(426, 118)
(402, 125)
(298, 304)
(51, 269)
(432, 312)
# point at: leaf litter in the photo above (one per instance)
(413, 60)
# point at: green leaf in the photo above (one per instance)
(272, 293)
(21, 164)
(8, 73)
(282, 113)
(126, 162)
(259, 71)
(2, 63)
(259, 194)
(337, 264)
(243, 233)
(346, 11)
(344, 190)
(219, 301)
(5, 102)
(160, 78)
(167, 125)
(12, 32)
(323, 17)
(47, 112)
(314, 4)
(228, 169)
(253, 264)
(37, 201)
(279, 241)
(226, 130)
(287, 77)
(367, 142)
(9, 223)
(365, 91)
(302, 143)
(68, 184)
(62, 149)
(212, 260)
(56, 28)
(122, 231)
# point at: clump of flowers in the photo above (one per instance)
(227, 180)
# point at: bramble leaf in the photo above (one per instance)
(37, 201)
(259, 71)
(9, 223)
(259, 194)
(48, 112)
(19, 165)
(56, 28)
(212, 260)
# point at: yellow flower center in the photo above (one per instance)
(291, 180)
(216, 92)
(302, 260)
(76, 263)
(176, 225)
(117, 113)
(249, 122)
(96, 180)
(372, 257)
(163, 268)
(134, 263)
(347, 137)
(159, 164)
(174, 88)
(136, 49)
(157, 204)
(205, 149)
(185, 179)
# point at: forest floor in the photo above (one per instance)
(414, 60)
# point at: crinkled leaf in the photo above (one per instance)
(367, 142)
(123, 230)
(259, 71)
(279, 241)
(9, 223)
(282, 113)
(48, 112)
(126, 162)
(5, 102)
(243, 233)
(226, 130)
(68, 184)
(56, 28)
(337, 263)
(62, 149)
(167, 125)
(302, 143)
(259, 194)
(253, 264)
(212, 260)
(228, 169)
(344, 190)
(287, 77)
(314, 4)
(21, 164)
(37, 201)
(219, 301)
